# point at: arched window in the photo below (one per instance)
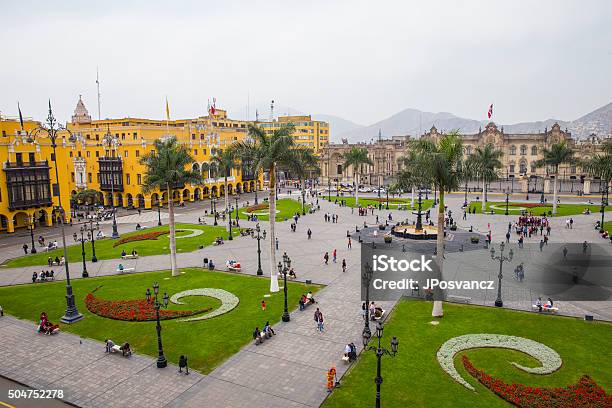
(523, 167)
(512, 168)
(513, 150)
(523, 150)
(339, 169)
(195, 167)
(468, 150)
(534, 168)
(534, 150)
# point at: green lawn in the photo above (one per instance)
(608, 227)
(414, 378)
(206, 343)
(105, 249)
(535, 208)
(285, 209)
(393, 202)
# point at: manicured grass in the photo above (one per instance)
(206, 343)
(414, 378)
(373, 201)
(535, 208)
(608, 227)
(105, 249)
(285, 207)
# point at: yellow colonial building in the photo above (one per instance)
(308, 132)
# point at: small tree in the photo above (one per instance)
(558, 154)
(224, 163)
(304, 163)
(166, 168)
(355, 158)
(600, 165)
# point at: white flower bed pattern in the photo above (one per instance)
(549, 358)
(228, 301)
(194, 233)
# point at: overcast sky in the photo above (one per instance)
(362, 61)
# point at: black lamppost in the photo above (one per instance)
(304, 201)
(507, 193)
(214, 206)
(366, 279)
(501, 258)
(380, 352)
(419, 213)
(256, 183)
(159, 206)
(91, 230)
(387, 207)
(161, 359)
(112, 142)
(283, 268)
(604, 203)
(51, 128)
(236, 197)
(32, 225)
(84, 238)
(229, 220)
(259, 236)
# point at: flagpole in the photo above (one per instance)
(98, 86)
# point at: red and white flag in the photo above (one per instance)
(490, 113)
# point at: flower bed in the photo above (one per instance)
(584, 394)
(142, 237)
(228, 301)
(531, 205)
(384, 200)
(257, 207)
(133, 310)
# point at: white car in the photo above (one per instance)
(364, 189)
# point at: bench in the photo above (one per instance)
(546, 309)
(129, 256)
(308, 303)
(124, 270)
(49, 248)
(117, 349)
(49, 278)
(262, 338)
(460, 299)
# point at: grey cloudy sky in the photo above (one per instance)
(361, 60)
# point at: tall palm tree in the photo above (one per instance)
(355, 158)
(439, 162)
(305, 162)
(600, 165)
(558, 154)
(225, 162)
(468, 172)
(487, 161)
(266, 152)
(166, 168)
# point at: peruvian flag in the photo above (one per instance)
(490, 113)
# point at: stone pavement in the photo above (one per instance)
(287, 371)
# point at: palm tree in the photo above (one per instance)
(439, 161)
(305, 162)
(487, 161)
(468, 172)
(558, 154)
(166, 169)
(600, 166)
(410, 176)
(224, 163)
(266, 152)
(355, 158)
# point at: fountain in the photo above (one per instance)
(418, 230)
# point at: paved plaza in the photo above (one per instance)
(289, 370)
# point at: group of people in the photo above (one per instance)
(541, 306)
(44, 276)
(375, 311)
(333, 218)
(266, 332)
(45, 326)
(306, 299)
(56, 261)
(125, 349)
(133, 254)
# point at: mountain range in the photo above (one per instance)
(415, 122)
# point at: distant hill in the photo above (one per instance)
(415, 122)
(337, 125)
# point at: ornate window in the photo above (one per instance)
(523, 167)
(512, 168)
(534, 150)
(513, 150)
(523, 150)
(534, 168)
(468, 150)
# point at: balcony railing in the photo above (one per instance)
(26, 165)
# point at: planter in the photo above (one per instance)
(474, 240)
(388, 239)
(381, 227)
(453, 227)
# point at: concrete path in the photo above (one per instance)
(287, 371)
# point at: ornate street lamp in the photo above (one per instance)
(85, 236)
(229, 220)
(161, 359)
(366, 279)
(283, 268)
(51, 128)
(259, 236)
(214, 205)
(112, 142)
(91, 230)
(501, 258)
(380, 352)
(31, 227)
(236, 197)
(159, 206)
(507, 193)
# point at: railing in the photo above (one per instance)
(22, 165)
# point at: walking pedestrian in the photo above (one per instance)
(318, 318)
(508, 237)
(343, 265)
(263, 305)
(326, 258)
(541, 245)
(277, 243)
(309, 232)
(334, 255)
(350, 244)
(25, 248)
(571, 223)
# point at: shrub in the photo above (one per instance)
(474, 240)
(257, 207)
(388, 239)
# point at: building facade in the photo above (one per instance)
(518, 173)
(104, 156)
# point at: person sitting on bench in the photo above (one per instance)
(34, 277)
(138, 227)
(292, 273)
(303, 301)
(257, 335)
(109, 345)
(120, 268)
(51, 274)
(268, 329)
(134, 253)
(211, 265)
(57, 260)
(123, 253)
(375, 311)
(549, 303)
(310, 298)
(126, 351)
(539, 304)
